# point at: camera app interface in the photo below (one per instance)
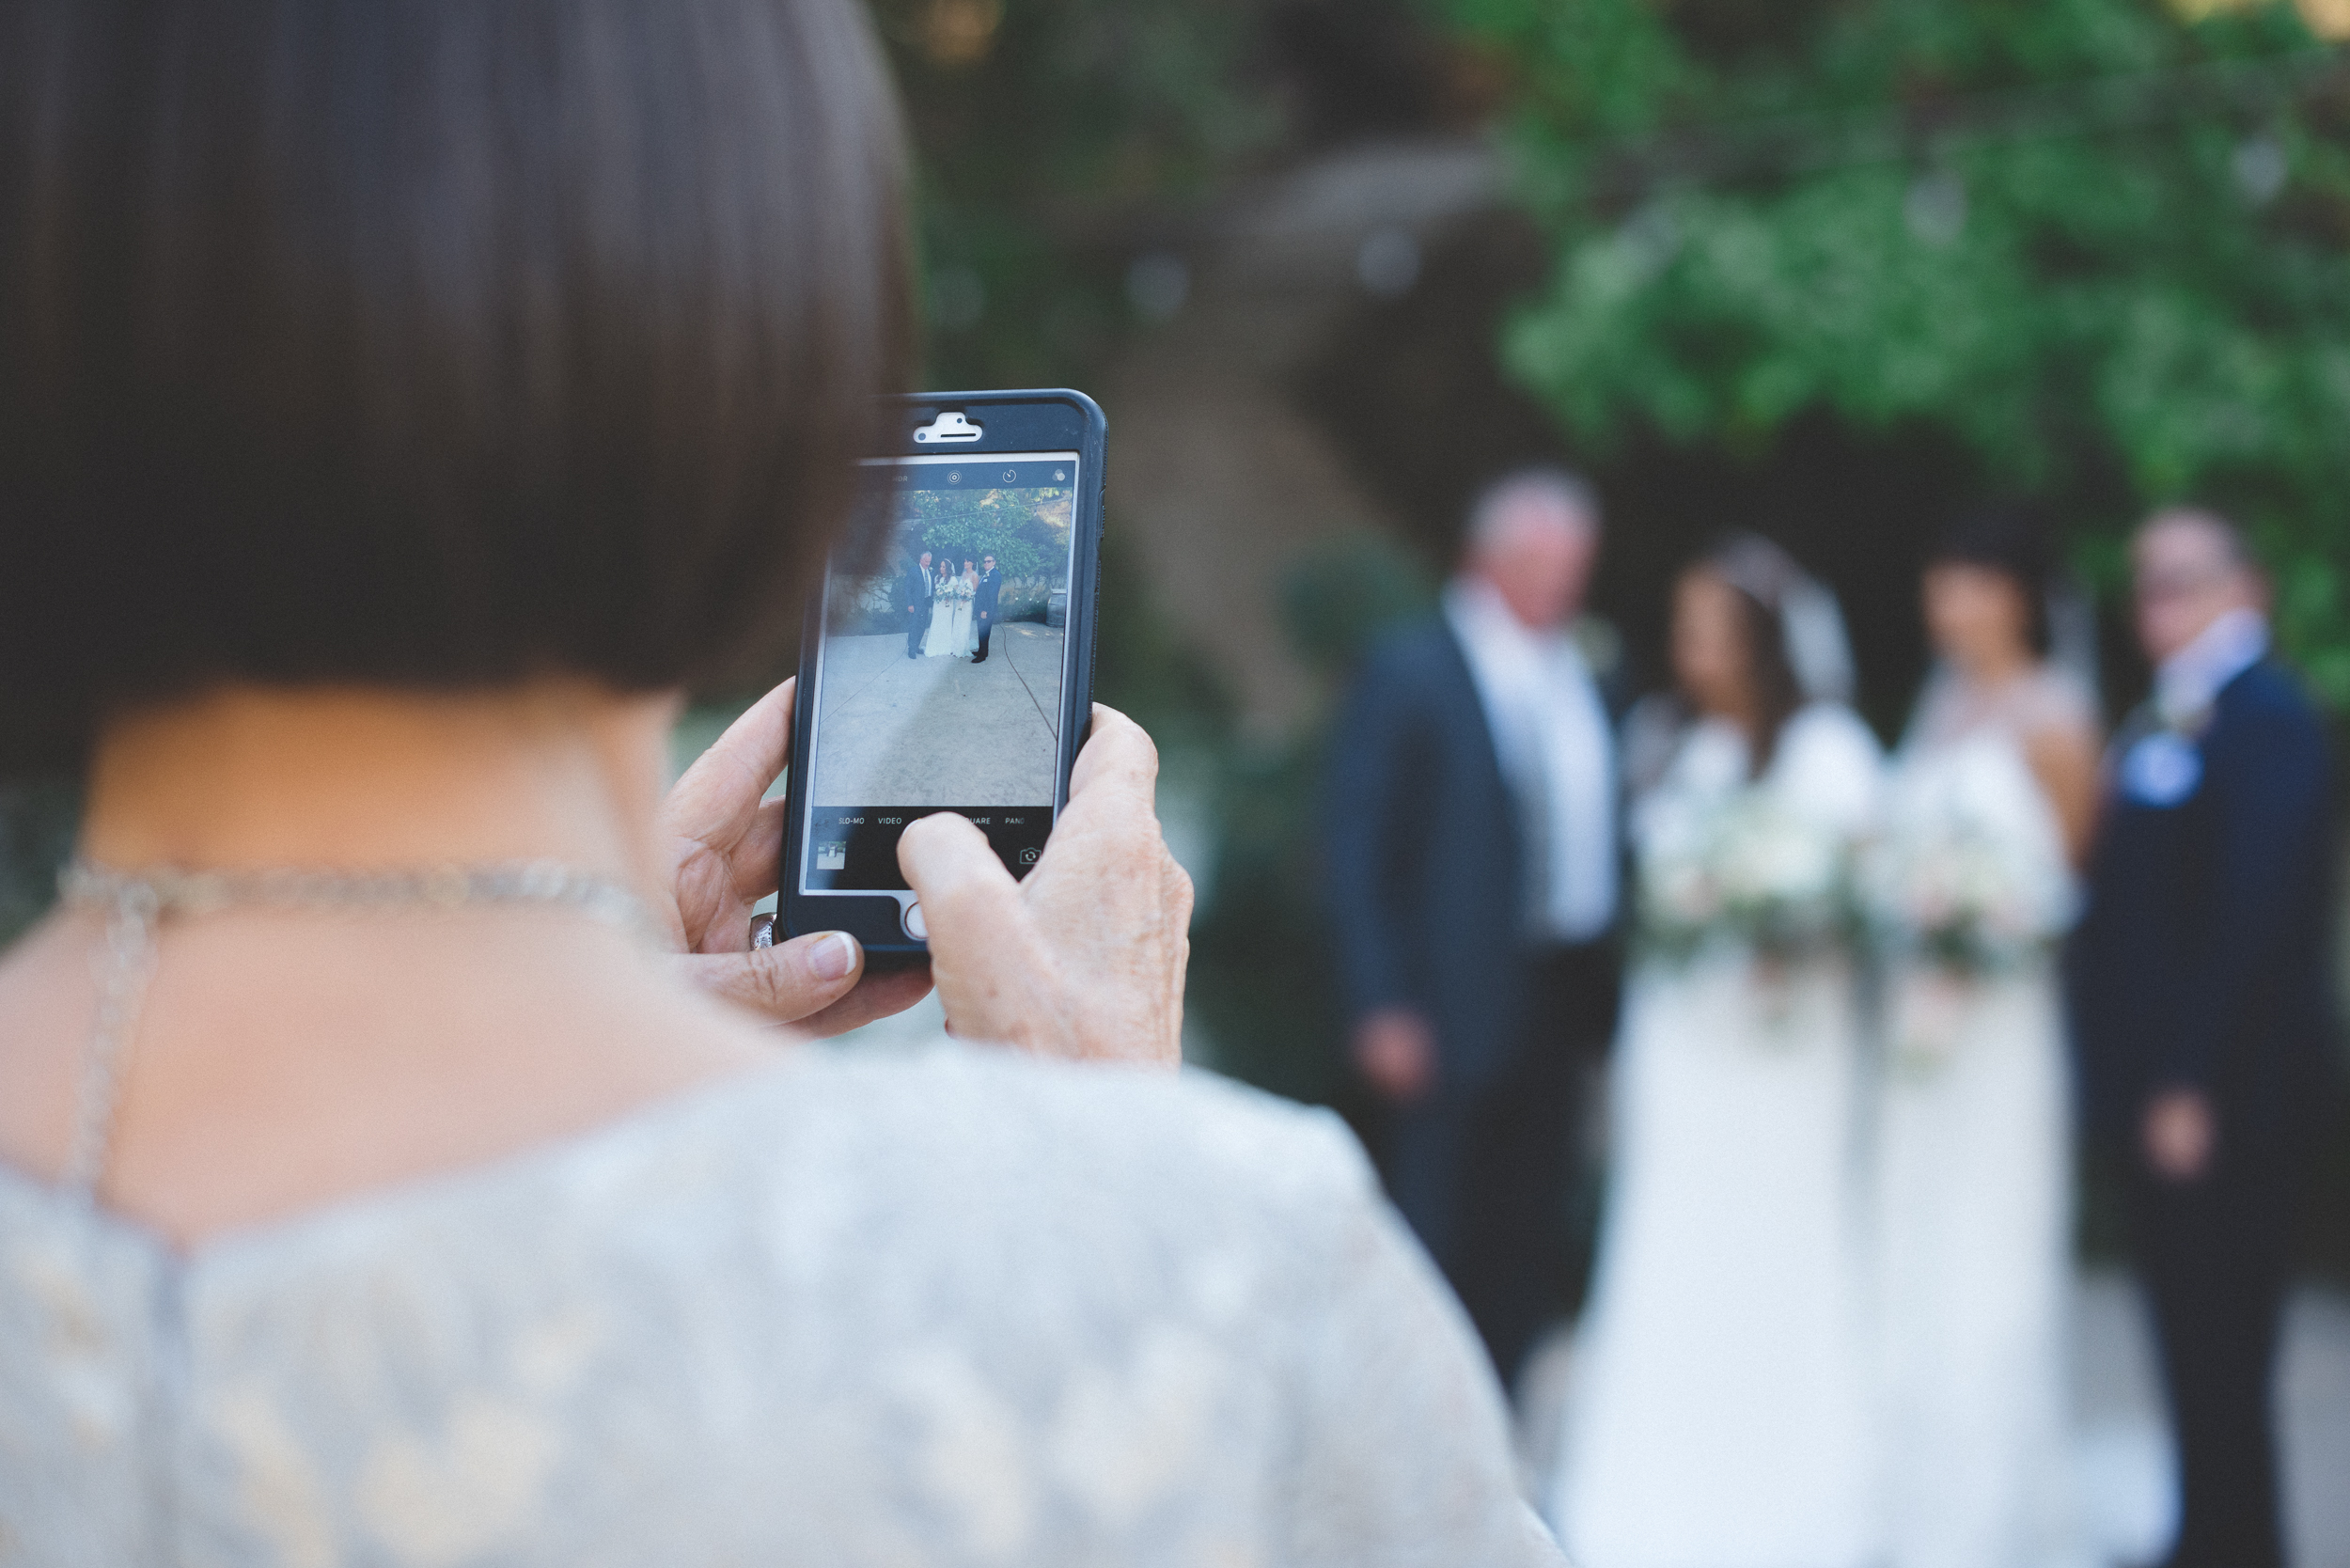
(939, 688)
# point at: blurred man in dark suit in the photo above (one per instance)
(2203, 1007)
(914, 593)
(1472, 878)
(983, 606)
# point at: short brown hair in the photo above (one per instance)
(428, 342)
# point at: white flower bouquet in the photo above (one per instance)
(1968, 882)
(1746, 872)
(1958, 889)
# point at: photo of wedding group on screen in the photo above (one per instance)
(943, 664)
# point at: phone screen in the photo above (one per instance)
(940, 672)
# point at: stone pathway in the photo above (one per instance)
(2122, 1449)
(944, 732)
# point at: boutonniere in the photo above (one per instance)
(2163, 766)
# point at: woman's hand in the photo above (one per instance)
(1084, 957)
(726, 846)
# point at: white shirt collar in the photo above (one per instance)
(1483, 618)
(2190, 680)
(1551, 737)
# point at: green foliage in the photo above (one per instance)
(2108, 248)
(1040, 126)
(1343, 593)
(1260, 977)
(1026, 531)
(1144, 667)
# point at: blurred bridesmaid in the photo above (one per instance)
(1993, 799)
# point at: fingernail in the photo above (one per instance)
(833, 956)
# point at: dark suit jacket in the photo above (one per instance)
(989, 590)
(913, 588)
(2203, 958)
(1423, 849)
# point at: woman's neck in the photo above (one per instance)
(1991, 670)
(1746, 716)
(283, 1060)
(365, 778)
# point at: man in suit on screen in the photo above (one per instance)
(913, 597)
(2203, 1007)
(1472, 869)
(983, 607)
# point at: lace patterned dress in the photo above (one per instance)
(1974, 1164)
(947, 635)
(1720, 1414)
(947, 1308)
(968, 624)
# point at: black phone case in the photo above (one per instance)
(1058, 420)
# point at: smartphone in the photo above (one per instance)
(947, 661)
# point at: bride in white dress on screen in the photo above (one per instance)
(1720, 1412)
(951, 616)
(1993, 802)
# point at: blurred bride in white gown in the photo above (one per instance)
(1720, 1412)
(1993, 801)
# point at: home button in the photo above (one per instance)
(916, 927)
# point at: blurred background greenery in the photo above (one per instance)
(2102, 247)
